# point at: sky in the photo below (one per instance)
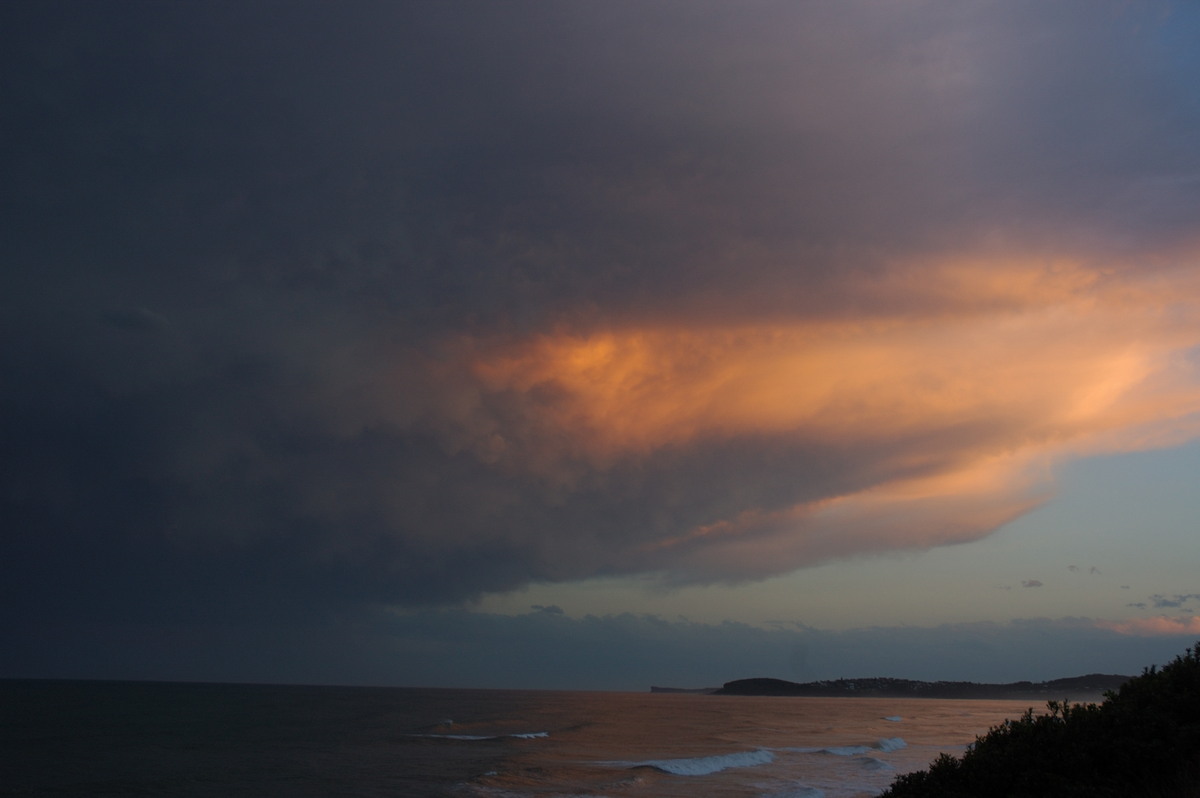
(598, 345)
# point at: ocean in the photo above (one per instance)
(149, 738)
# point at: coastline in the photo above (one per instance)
(1089, 688)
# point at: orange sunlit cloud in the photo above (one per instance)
(1160, 626)
(956, 398)
(1071, 361)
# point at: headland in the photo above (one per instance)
(1091, 687)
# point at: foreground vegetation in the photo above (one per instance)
(1142, 741)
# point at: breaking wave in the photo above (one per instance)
(885, 745)
(798, 792)
(474, 737)
(704, 765)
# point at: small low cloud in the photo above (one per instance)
(1031, 583)
(1175, 601)
(551, 609)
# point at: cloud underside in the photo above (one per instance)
(738, 451)
(484, 304)
(828, 437)
(701, 453)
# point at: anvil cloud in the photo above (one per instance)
(311, 308)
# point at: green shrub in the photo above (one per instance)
(1142, 741)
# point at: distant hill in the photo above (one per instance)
(1091, 686)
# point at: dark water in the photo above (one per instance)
(138, 739)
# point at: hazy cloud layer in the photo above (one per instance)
(452, 648)
(310, 307)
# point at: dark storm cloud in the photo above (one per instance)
(135, 319)
(255, 254)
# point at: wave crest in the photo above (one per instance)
(704, 765)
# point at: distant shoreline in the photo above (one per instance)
(1077, 688)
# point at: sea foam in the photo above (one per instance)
(474, 737)
(798, 792)
(704, 765)
(887, 744)
(843, 750)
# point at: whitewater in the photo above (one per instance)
(115, 738)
